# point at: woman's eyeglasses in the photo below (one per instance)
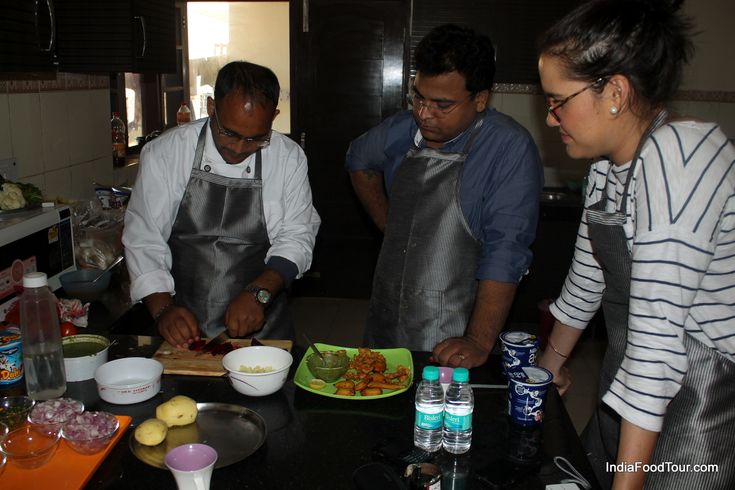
(260, 141)
(552, 109)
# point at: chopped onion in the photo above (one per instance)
(90, 425)
(56, 411)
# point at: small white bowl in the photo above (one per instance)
(129, 380)
(83, 354)
(277, 360)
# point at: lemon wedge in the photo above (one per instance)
(317, 384)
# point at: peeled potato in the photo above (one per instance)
(152, 432)
(179, 410)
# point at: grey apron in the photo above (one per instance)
(424, 286)
(699, 426)
(610, 249)
(218, 243)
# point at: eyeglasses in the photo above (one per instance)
(260, 142)
(439, 109)
(552, 109)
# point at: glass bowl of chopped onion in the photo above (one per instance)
(50, 415)
(90, 432)
(257, 370)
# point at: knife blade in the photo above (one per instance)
(219, 339)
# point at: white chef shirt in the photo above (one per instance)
(165, 168)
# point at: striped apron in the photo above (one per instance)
(218, 243)
(424, 286)
(610, 249)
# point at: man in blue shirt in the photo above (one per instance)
(454, 185)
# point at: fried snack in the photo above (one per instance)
(345, 392)
(345, 385)
(385, 386)
(371, 392)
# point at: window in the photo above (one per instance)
(208, 36)
(220, 32)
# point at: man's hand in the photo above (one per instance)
(178, 326)
(460, 352)
(244, 315)
(368, 185)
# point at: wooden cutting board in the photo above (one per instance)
(176, 361)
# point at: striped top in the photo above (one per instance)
(680, 229)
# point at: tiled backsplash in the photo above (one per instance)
(57, 130)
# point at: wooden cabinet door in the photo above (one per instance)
(121, 36)
(27, 36)
(348, 76)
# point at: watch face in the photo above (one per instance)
(263, 296)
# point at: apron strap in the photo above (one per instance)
(660, 118)
(200, 146)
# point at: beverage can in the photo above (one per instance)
(11, 357)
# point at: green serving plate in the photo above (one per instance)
(393, 358)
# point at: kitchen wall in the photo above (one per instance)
(57, 131)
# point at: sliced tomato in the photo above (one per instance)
(68, 328)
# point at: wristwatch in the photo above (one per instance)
(262, 295)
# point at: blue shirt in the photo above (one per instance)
(499, 188)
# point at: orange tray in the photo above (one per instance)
(67, 469)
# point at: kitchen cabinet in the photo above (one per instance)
(27, 36)
(116, 36)
(88, 36)
(348, 75)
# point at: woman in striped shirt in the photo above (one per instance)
(655, 248)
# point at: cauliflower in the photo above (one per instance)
(11, 197)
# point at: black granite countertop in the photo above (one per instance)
(317, 442)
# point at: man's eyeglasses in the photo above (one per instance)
(439, 109)
(551, 109)
(260, 142)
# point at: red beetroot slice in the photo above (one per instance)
(197, 345)
(222, 349)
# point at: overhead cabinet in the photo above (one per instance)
(27, 36)
(88, 36)
(129, 35)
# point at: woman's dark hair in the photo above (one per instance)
(644, 40)
(250, 79)
(450, 48)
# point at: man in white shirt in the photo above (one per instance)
(221, 220)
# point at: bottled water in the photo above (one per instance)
(458, 407)
(43, 359)
(427, 430)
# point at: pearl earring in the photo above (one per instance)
(613, 110)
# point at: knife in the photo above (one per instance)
(219, 339)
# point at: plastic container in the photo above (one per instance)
(459, 404)
(43, 361)
(83, 354)
(427, 429)
(117, 127)
(183, 115)
(129, 380)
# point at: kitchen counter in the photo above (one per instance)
(316, 442)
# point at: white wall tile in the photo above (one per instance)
(25, 133)
(55, 129)
(6, 147)
(58, 184)
(89, 135)
(82, 181)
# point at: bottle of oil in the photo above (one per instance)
(183, 115)
(43, 359)
(118, 140)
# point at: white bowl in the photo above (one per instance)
(83, 354)
(129, 380)
(257, 383)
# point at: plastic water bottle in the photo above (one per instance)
(458, 407)
(118, 140)
(427, 429)
(43, 359)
